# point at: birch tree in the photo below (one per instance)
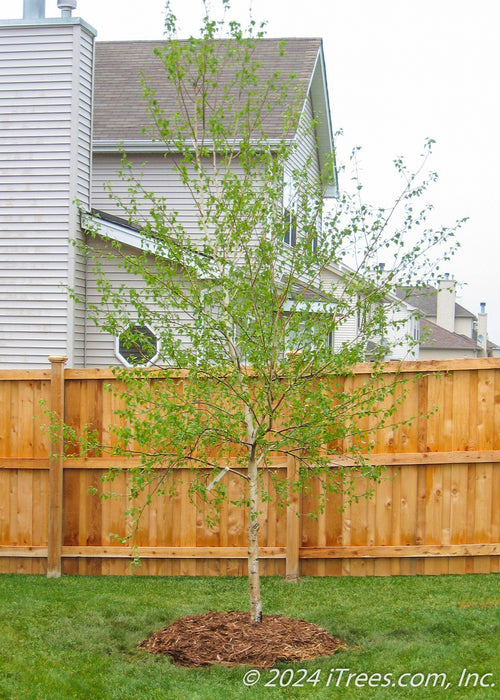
(251, 308)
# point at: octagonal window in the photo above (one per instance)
(137, 346)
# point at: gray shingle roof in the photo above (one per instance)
(425, 299)
(439, 338)
(119, 105)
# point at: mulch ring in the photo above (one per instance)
(229, 638)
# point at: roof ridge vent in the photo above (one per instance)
(66, 7)
(34, 9)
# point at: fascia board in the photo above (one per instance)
(318, 91)
(133, 239)
(118, 233)
(150, 146)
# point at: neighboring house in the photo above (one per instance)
(68, 105)
(447, 329)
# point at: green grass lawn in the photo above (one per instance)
(77, 637)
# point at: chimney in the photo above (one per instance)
(66, 7)
(482, 329)
(446, 297)
(61, 51)
(34, 9)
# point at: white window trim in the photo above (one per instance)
(150, 362)
(290, 210)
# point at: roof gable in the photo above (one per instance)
(120, 108)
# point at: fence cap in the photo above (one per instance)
(57, 358)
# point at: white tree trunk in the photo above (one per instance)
(253, 543)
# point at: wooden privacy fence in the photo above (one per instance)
(436, 511)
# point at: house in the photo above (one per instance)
(447, 329)
(70, 105)
(121, 117)
(46, 80)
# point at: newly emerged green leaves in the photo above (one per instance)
(251, 308)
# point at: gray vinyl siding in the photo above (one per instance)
(156, 173)
(79, 285)
(464, 326)
(397, 337)
(100, 345)
(345, 333)
(41, 176)
(306, 152)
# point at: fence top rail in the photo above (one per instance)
(32, 375)
(483, 363)
(427, 366)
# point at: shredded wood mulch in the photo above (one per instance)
(229, 638)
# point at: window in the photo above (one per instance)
(416, 329)
(289, 211)
(290, 227)
(330, 341)
(307, 336)
(314, 221)
(137, 346)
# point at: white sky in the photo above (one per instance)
(398, 71)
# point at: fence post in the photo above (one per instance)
(292, 523)
(56, 464)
